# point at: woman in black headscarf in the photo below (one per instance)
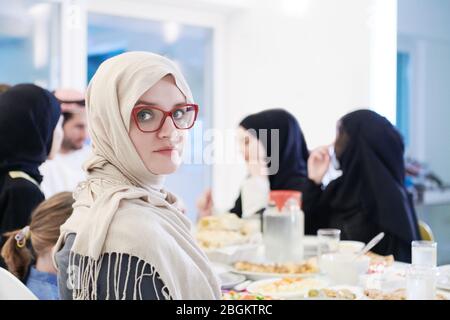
(28, 117)
(370, 196)
(276, 154)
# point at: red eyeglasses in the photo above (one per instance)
(151, 118)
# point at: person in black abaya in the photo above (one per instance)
(28, 117)
(369, 197)
(278, 164)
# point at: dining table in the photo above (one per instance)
(381, 281)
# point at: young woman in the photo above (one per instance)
(35, 267)
(276, 155)
(127, 239)
(369, 196)
(28, 117)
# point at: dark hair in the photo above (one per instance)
(66, 117)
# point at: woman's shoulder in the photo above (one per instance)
(22, 188)
(137, 216)
(137, 223)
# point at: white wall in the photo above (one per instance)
(321, 63)
(318, 66)
(424, 31)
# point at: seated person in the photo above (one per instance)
(369, 197)
(271, 166)
(28, 251)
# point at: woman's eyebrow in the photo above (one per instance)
(147, 103)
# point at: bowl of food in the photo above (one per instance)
(344, 268)
(348, 246)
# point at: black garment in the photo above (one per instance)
(151, 288)
(370, 196)
(291, 147)
(18, 198)
(28, 116)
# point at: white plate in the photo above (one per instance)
(444, 277)
(220, 268)
(230, 254)
(309, 283)
(269, 275)
(229, 280)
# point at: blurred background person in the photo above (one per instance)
(27, 252)
(28, 118)
(369, 197)
(271, 167)
(4, 87)
(64, 171)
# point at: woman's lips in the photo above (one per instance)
(166, 151)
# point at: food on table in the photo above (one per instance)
(289, 285)
(399, 294)
(281, 268)
(342, 294)
(376, 259)
(224, 230)
(209, 239)
(233, 295)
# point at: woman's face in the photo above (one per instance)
(250, 147)
(161, 151)
(341, 139)
(58, 135)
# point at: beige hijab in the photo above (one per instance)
(121, 208)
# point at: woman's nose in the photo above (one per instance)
(168, 130)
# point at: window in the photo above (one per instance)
(403, 98)
(29, 42)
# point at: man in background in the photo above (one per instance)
(4, 87)
(64, 172)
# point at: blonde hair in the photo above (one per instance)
(43, 232)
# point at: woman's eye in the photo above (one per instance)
(178, 114)
(145, 115)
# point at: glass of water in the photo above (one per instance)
(421, 283)
(327, 242)
(424, 253)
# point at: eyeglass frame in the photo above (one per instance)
(139, 107)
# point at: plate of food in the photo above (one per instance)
(287, 288)
(443, 281)
(234, 295)
(336, 293)
(399, 294)
(226, 238)
(379, 259)
(258, 271)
